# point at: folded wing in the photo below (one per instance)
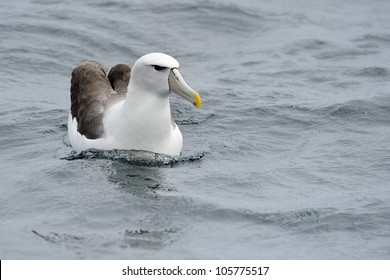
(93, 88)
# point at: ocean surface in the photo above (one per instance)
(288, 157)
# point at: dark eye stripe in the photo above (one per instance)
(158, 68)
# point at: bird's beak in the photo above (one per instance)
(179, 86)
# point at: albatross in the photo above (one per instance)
(124, 108)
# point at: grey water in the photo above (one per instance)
(288, 157)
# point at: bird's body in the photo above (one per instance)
(104, 116)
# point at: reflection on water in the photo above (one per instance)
(136, 172)
(137, 180)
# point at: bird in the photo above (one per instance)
(127, 108)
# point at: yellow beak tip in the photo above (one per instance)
(197, 100)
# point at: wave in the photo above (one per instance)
(307, 221)
(130, 238)
(374, 37)
(370, 72)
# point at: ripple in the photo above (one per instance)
(135, 157)
(370, 37)
(345, 54)
(358, 110)
(313, 44)
(54, 237)
(148, 239)
(308, 221)
(192, 121)
(308, 45)
(139, 238)
(110, 4)
(372, 72)
(287, 219)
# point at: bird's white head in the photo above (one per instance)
(158, 73)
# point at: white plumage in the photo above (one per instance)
(141, 120)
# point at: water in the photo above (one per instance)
(288, 158)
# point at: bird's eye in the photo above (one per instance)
(158, 68)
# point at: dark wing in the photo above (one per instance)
(119, 77)
(90, 91)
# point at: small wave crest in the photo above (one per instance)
(136, 157)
